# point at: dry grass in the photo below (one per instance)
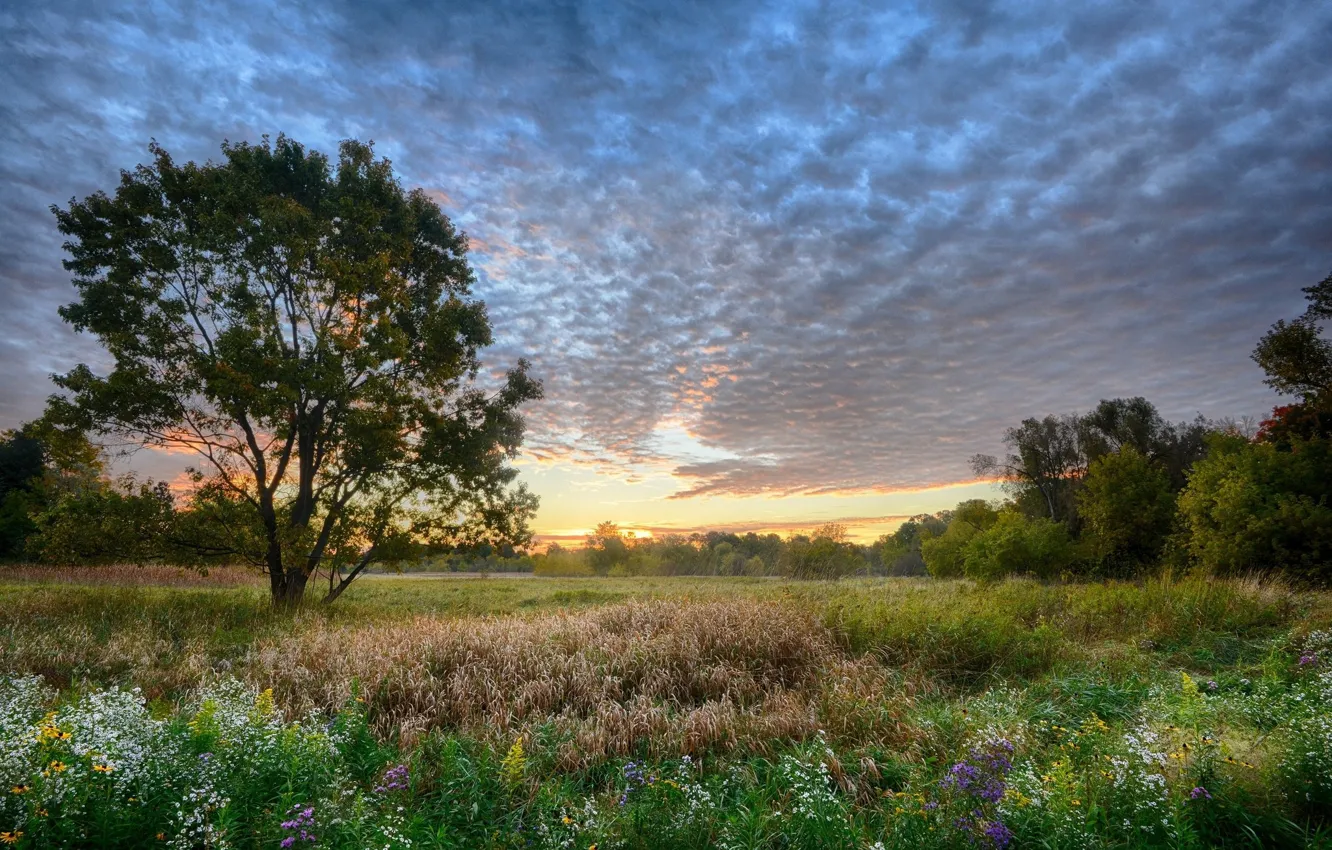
(670, 676)
(128, 575)
(598, 668)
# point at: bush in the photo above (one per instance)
(1256, 507)
(1016, 544)
(944, 554)
(827, 555)
(561, 562)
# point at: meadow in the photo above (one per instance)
(154, 708)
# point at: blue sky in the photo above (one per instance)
(777, 263)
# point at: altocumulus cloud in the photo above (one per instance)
(840, 245)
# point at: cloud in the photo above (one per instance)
(844, 247)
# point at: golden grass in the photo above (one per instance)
(600, 667)
(671, 676)
(128, 575)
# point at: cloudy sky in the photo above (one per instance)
(776, 263)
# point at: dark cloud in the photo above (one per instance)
(842, 245)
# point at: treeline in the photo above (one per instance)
(824, 553)
(1111, 493)
(1119, 491)
(1114, 492)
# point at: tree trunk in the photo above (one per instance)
(289, 591)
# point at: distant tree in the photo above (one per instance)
(1017, 545)
(1044, 456)
(606, 548)
(1128, 508)
(945, 554)
(307, 330)
(899, 552)
(826, 553)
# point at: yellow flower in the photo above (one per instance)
(567, 820)
(19, 789)
(161, 836)
(41, 813)
(11, 837)
(1076, 802)
(103, 768)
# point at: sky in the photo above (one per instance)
(777, 264)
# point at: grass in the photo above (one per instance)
(688, 712)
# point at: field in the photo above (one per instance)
(155, 708)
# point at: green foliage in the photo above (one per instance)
(1018, 545)
(945, 554)
(1003, 723)
(1128, 507)
(306, 328)
(899, 552)
(825, 554)
(1255, 507)
(126, 522)
(607, 547)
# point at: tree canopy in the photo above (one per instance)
(306, 330)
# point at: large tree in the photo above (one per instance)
(1298, 361)
(1045, 456)
(306, 329)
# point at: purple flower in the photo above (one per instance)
(999, 834)
(1199, 793)
(1308, 659)
(287, 842)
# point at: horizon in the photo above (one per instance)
(776, 266)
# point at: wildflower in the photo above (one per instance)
(20, 789)
(514, 765)
(56, 767)
(1306, 660)
(999, 834)
(103, 768)
(161, 836)
(11, 837)
(566, 820)
(1199, 793)
(395, 779)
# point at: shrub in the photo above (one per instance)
(1256, 507)
(1016, 544)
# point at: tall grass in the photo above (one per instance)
(812, 715)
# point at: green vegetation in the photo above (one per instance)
(305, 330)
(308, 330)
(668, 712)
